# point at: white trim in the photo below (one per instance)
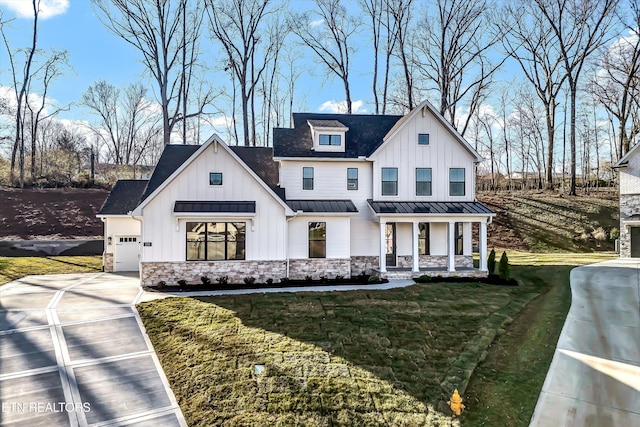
(405, 119)
(322, 159)
(218, 142)
(626, 157)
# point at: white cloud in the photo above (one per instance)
(340, 107)
(316, 23)
(48, 8)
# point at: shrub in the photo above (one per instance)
(503, 267)
(614, 234)
(182, 283)
(308, 278)
(161, 284)
(491, 261)
(374, 279)
(222, 280)
(269, 281)
(249, 280)
(205, 280)
(339, 278)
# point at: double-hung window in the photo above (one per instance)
(456, 182)
(423, 181)
(329, 139)
(389, 181)
(317, 239)
(307, 178)
(352, 178)
(211, 241)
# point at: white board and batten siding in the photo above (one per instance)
(337, 243)
(630, 176)
(443, 152)
(117, 226)
(265, 231)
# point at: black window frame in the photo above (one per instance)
(422, 137)
(317, 242)
(424, 238)
(227, 240)
(307, 182)
(382, 188)
(352, 183)
(430, 181)
(211, 175)
(331, 139)
(457, 184)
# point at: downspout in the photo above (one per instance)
(130, 213)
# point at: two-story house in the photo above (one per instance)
(337, 195)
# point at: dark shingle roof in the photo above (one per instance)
(215, 206)
(260, 160)
(365, 134)
(326, 206)
(443, 208)
(124, 197)
(326, 124)
(171, 159)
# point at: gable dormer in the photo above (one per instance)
(328, 135)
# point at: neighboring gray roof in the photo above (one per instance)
(171, 159)
(215, 206)
(124, 197)
(429, 208)
(365, 134)
(326, 124)
(326, 206)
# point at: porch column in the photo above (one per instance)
(416, 257)
(383, 246)
(483, 246)
(452, 247)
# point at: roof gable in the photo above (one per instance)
(365, 134)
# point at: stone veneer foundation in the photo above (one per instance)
(107, 262)
(629, 205)
(363, 264)
(319, 267)
(434, 261)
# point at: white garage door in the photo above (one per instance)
(127, 253)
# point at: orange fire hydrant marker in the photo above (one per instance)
(456, 403)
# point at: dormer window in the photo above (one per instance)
(328, 135)
(330, 139)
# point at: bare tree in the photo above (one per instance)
(616, 84)
(126, 124)
(240, 26)
(452, 54)
(375, 10)
(398, 26)
(579, 29)
(328, 31)
(528, 40)
(166, 35)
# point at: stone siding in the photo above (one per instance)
(363, 264)
(319, 267)
(629, 205)
(107, 262)
(171, 272)
(433, 261)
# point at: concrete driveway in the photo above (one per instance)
(73, 352)
(594, 378)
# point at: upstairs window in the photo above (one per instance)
(423, 181)
(215, 178)
(317, 239)
(423, 139)
(307, 178)
(389, 181)
(352, 178)
(456, 182)
(330, 139)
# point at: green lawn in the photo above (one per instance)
(365, 357)
(12, 268)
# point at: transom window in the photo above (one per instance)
(215, 178)
(423, 238)
(423, 181)
(307, 178)
(317, 240)
(423, 139)
(456, 182)
(352, 178)
(330, 139)
(389, 181)
(128, 239)
(211, 241)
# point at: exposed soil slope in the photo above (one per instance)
(50, 214)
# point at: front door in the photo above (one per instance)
(390, 234)
(635, 242)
